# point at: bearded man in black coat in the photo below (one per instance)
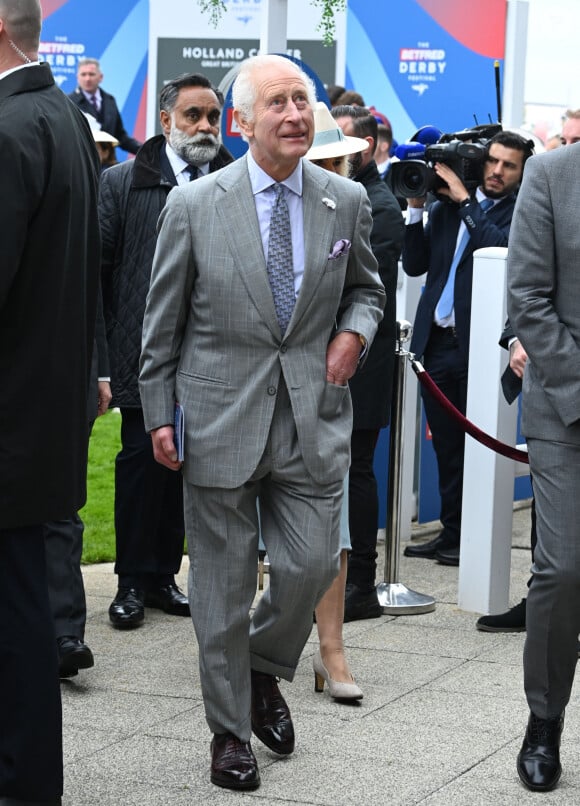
(148, 497)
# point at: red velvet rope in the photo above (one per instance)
(490, 442)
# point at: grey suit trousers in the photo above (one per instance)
(553, 607)
(300, 529)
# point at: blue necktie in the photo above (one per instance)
(279, 265)
(445, 304)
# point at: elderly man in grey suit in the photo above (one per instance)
(264, 294)
(543, 294)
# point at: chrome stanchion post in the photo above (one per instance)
(394, 597)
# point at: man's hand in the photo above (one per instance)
(164, 448)
(518, 358)
(455, 189)
(342, 357)
(104, 397)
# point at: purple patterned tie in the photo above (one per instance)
(94, 103)
(279, 264)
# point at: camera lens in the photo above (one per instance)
(414, 179)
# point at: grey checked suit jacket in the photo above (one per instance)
(210, 335)
(544, 293)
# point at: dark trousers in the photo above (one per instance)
(363, 505)
(148, 510)
(66, 590)
(446, 365)
(30, 709)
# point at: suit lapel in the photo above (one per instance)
(237, 213)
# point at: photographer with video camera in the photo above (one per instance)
(459, 222)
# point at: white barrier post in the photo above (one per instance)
(488, 478)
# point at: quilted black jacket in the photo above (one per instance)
(132, 196)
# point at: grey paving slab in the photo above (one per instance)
(440, 724)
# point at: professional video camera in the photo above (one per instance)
(464, 152)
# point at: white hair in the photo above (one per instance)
(244, 89)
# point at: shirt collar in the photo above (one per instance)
(178, 164)
(480, 196)
(260, 180)
(89, 95)
(18, 67)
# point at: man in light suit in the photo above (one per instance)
(543, 290)
(268, 415)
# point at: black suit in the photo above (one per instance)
(64, 537)
(48, 290)
(108, 116)
(445, 351)
(371, 386)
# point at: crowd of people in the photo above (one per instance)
(257, 297)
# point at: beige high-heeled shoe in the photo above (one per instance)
(337, 690)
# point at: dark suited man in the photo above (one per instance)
(442, 321)
(371, 386)
(48, 290)
(64, 537)
(93, 100)
(264, 291)
(543, 288)
(148, 497)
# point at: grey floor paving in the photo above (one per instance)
(440, 724)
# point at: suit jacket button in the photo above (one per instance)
(283, 348)
(271, 390)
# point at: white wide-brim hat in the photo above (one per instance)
(329, 139)
(104, 137)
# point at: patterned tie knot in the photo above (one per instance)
(486, 204)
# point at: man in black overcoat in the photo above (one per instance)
(371, 386)
(49, 263)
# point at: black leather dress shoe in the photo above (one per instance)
(233, 764)
(360, 604)
(73, 654)
(127, 610)
(448, 556)
(169, 599)
(539, 759)
(513, 620)
(271, 720)
(428, 550)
